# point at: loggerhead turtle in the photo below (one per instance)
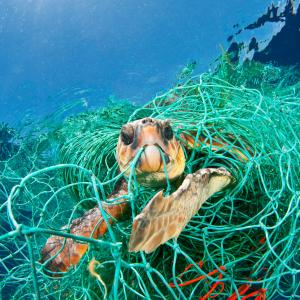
(164, 217)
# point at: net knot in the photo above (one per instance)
(284, 149)
(115, 251)
(19, 229)
(148, 268)
(176, 247)
(294, 271)
(205, 232)
(130, 196)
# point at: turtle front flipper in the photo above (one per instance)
(60, 253)
(164, 218)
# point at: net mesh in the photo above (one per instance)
(243, 242)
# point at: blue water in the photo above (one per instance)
(56, 51)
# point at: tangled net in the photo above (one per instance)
(243, 243)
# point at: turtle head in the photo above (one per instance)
(159, 144)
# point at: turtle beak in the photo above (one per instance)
(152, 159)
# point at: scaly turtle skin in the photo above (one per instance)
(162, 218)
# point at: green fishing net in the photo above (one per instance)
(243, 241)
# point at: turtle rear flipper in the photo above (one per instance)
(60, 253)
(164, 218)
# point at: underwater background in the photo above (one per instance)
(53, 51)
(73, 72)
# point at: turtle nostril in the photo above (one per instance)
(147, 120)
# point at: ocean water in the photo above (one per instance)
(53, 51)
(72, 73)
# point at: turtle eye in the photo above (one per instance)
(168, 132)
(127, 135)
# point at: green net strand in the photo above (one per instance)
(246, 237)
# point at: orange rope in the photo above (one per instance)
(262, 240)
(242, 290)
(200, 263)
(213, 287)
(172, 285)
(261, 293)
